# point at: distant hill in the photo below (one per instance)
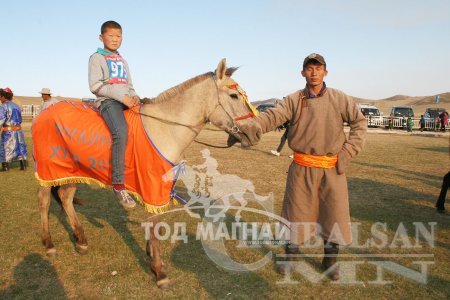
(418, 103)
(445, 98)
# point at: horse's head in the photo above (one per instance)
(232, 111)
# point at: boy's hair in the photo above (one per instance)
(110, 24)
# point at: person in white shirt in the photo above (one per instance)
(47, 98)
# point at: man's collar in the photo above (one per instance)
(310, 95)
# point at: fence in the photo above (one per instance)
(430, 124)
(29, 112)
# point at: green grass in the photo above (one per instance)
(396, 179)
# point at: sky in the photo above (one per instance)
(374, 49)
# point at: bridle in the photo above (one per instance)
(234, 129)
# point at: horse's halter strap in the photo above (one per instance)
(254, 112)
(235, 128)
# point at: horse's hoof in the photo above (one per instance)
(50, 252)
(81, 249)
(164, 283)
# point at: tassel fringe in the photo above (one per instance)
(148, 207)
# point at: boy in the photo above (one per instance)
(110, 81)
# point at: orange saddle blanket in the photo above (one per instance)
(72, 144)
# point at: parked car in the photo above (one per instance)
(402, 111)
(263, 107)
(372, 114)
(433, 113)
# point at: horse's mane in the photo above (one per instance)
(184, 86)
(177, 89)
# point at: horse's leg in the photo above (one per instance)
(154, 251)
(66, 193)
(44, 204)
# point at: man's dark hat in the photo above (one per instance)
(314, 56)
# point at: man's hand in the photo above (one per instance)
(130, 102)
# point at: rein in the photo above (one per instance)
(193, 128)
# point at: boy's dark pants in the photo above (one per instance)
(112, 113)
(445, 186)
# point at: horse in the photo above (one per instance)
(172, 121)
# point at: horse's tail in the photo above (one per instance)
(54, 191)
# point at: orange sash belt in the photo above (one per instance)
(12, 128)
(317, 161)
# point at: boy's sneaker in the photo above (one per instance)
(275, 152)
(124, 198)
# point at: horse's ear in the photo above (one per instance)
(221, 69)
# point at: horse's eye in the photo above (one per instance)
(234, 96)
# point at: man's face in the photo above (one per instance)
(45, 97)
(112, 39)
(314, 74)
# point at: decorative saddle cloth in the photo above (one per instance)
(72, 144)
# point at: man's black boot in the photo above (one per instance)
(285, 268)
(331, 251)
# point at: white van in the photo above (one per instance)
(372, 114)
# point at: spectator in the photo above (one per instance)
(404, 125)
(422, 123)
(409, 124)
(12, 146)
(47, 98)
(443, 117)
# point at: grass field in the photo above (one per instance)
(395, 180)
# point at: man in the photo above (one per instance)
(440, 204)
(283, 140)
(316, 196)
(47, 97)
